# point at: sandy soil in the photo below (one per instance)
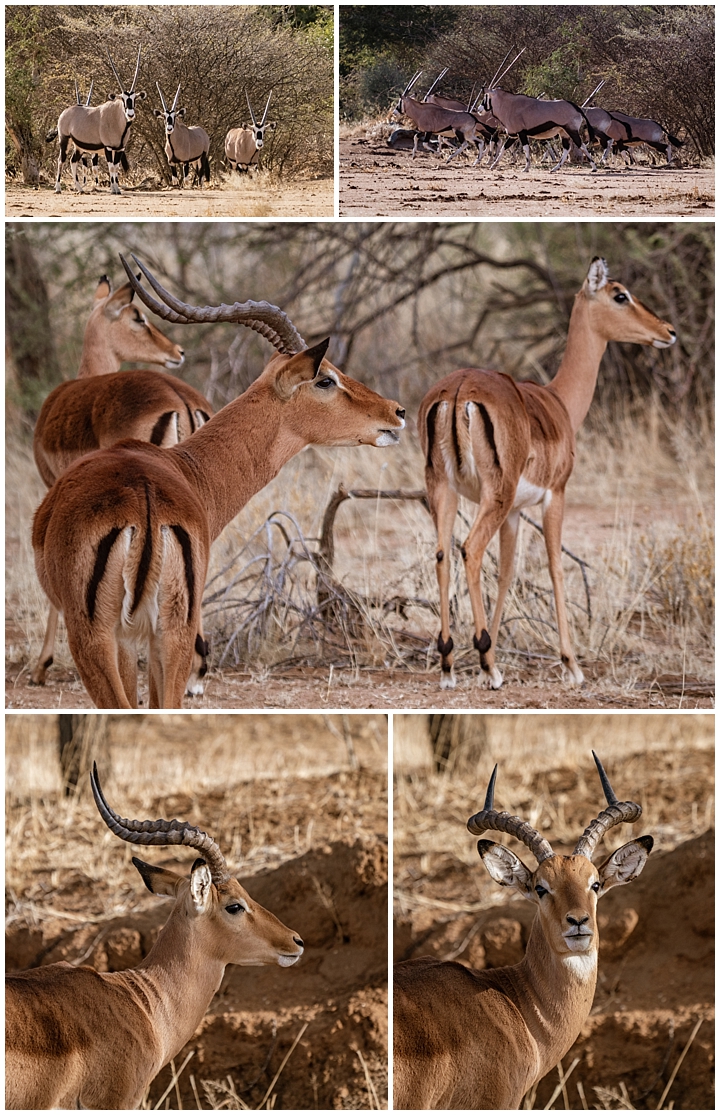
(656, 977)
(377, 181)
(295, 199)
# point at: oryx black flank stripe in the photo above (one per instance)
(456, 440)
(185, 545)
(105, 545)
(489, 432)
(145, 556)
(160, 428)
(430, 427)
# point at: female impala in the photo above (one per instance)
(508, 446)
(480, 1039)
(122, 541)
(75, 1037)
(104, 405)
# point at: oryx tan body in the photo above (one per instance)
(184, 146)
(479, 1039)
(80, 1038)
(508, 446)
(243, 145)
(122, 540)
(104, 405)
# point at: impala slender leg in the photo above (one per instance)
(127, 667)
(194, 686)
(45, 659)
(486, 524)
(553, 508)
(97, 663)
(508, 542)
(444, 505)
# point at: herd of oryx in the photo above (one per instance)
(122, 539)
(105, 128)
(495, 119)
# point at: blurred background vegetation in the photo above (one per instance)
(215, 53)
(656, 61)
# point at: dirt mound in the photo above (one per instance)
(336, 897)
(656, 980)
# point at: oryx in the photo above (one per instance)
(433, 120)
(606, 129)
(243, 145)
(523, 117)
(643, 130)
(487, 124)
(104, 128)
(184, 147)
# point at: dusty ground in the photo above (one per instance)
(377, 181)
(656, 978)
(256, 199)
(312, 848)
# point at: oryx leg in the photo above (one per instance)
(565, 153)
(443, 502)
(45, 658)
(499, 155)
(113, 163)
(553, 508)
(525, 142)
(480, 152)
(62, 156)
(579, 142)
(488, 521)
(466, 143)
(78, 170)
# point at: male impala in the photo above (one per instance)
(104, 405)
(122, 541)
(75, 1037)
(480, 1039)
(508, 445)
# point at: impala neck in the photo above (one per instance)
(554, 995)
(576, 377)
(176, 982)
(238, 452)
(98, 358)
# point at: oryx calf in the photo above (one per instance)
(523, 117)
(243, 145)
(92, 130)
(644, 130)
(184, 147)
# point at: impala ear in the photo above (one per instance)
(158, 880)
(122, 297)
(104, 288)
(300, 368)
(625, 864)
(505, 867)
(201, 886)
(597, 275)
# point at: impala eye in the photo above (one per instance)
(326, 382)
(236, 908)
(621, 298)
(540, 891)
(595, 887)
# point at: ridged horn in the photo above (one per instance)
(615, 814)
(269, 321)
(137, 71)
(161, 833)
(489, 818)
(117, 75)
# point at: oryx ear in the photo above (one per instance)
(201, 886)
(300, 368)
(597, 275)
(112, 96)
(505, 867)
(157, 879)
(181, 112)
(104, 288)
(625, 864)
(142, 95)
(157, 112)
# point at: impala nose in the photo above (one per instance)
(400, 412)
(299, 942)
(577, 921)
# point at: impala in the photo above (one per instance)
(122, 541)
(104, 405)
(507, 446)
(75, 1037)
(480, 1039)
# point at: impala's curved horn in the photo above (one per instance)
(269, 321)
(489, 818)
(117, 75)
(615, 814)
(161, 833)
(137, 71)
(162, 99)
(252, 114)
(267, 106)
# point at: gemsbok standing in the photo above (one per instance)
(75, 1037)
(524, 118)
(433, 120)
(508, 446)
(479, 1040)
(104, 128)
(243, 145)
(185, 147)
(104, 405)
(122, 541)
(648, 132)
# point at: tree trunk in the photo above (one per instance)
(27, 318)
(82, 740)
